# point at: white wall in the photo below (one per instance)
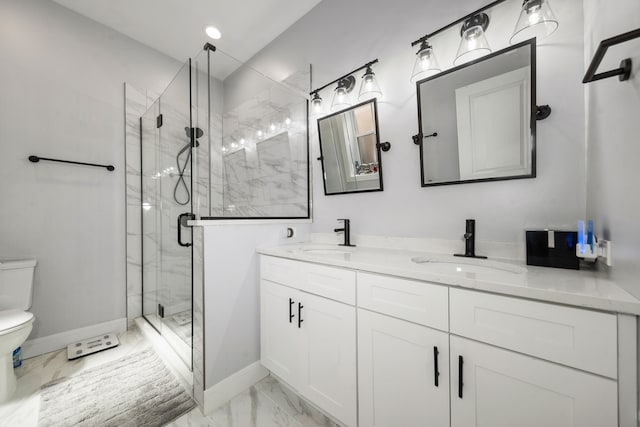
(62, 90)
(338, 36)
(232, 293)
(613, 108)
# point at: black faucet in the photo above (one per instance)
(470, 241)
(347, 232)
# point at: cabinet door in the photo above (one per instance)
(279, 337)
(501, 388)
(397, 373)
(328, 356)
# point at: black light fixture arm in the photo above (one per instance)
(624, 72)
(368, 64)
(463, 19)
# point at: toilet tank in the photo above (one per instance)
(16, 284)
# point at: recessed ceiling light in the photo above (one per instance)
(213, 32)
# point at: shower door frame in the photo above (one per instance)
(162, 327)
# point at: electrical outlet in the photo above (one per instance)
(289, 232)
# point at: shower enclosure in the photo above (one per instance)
(222, 141)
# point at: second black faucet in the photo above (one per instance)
(347, 232)
(470, 241)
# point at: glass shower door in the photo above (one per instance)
(168, 140)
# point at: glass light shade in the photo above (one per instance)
(473, 45)
(369, 87)
(316, 103)
(536, 20)
(426, 63)
(340, 98)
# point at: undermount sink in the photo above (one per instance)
(467, 265)
(326, 251)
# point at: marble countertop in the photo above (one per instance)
(581, 288)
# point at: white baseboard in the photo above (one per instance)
(38, 346)
(225, 390)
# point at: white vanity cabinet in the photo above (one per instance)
(308, 340)
(494, 387)
(528, 363)
(436, 355)
(403, 361)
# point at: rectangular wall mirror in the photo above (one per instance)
(477, 122)
(350, 150)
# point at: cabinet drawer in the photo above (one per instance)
(280, 270)
(418, 302)
(575, 337)
(334, 283)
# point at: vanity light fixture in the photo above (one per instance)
(426, 62)
(316, 102)
(345, 85)
(536, 20)
(369, 87)
(473, 42)
(340, 94)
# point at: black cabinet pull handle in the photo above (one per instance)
(291, 315)
(300, 307)
(460, 382)
(436, 373)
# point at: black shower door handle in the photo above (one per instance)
(182, 220)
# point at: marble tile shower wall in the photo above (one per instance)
(265, 159)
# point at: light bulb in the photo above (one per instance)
(234, 145)
(316, 102)
(534, 16)
(242, 141)
(272, 127)
(224, 149)
(259, 133)
(426, 63)
(287, 121)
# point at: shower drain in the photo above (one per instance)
(92, 345)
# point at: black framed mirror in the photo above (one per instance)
(477, 122)
(350, 150)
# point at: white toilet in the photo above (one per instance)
(16, 287)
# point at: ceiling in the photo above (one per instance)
(176, 27)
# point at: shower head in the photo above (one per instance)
(197, 132)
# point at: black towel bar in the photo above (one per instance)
(624, 72)
(36, 159)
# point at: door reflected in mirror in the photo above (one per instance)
(350, 150)
(477, 121)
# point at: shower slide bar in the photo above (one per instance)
(36, 159)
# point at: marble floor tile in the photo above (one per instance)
(252, 408)
(268, 403)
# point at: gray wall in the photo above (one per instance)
(613, 197)
(62, 90)
(337, 36)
